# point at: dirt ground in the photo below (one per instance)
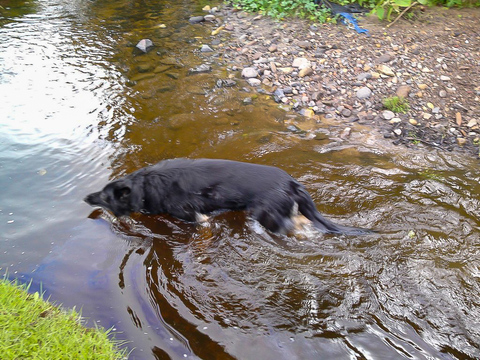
(432, 59)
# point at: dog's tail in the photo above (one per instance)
(308, 209)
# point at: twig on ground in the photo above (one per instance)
(401, 14)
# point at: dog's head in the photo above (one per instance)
(116, 197)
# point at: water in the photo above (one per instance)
(80, 107)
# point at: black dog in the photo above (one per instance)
(188, 189)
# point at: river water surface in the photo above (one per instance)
(79, 107)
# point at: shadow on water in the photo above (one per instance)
(82, 107)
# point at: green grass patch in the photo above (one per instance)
(31, 328)
(396, 104)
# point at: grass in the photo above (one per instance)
(31, 328)
(396, 104)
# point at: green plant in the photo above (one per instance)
(384, 8)
(396, 104)
(34, 329)
(279, 9)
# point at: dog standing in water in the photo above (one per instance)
(190, 189)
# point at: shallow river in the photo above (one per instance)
(79, 107)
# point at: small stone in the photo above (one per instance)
(249, 72)
(422, 86)
(384, 58)
(442, 93)
(413, 122)
(204, 68)
(461, 141)
(458, 119)
(206, 8)
(272, 48)
(346, 133)
(206, 48)
(444, 78)
(395, 120)
(145, 45)
(346, 112)
(307, 113)
(209, 18)
(304, 44)
(384, 69)
(403, 91)
(472, 123)
(305, 72)
(253, 82)
(196, 19)
(217, 30)
(301, 63)
(388, 115)
(364, 93)
(364, 76)
(397, 132)
(427, 116)
(247, 101)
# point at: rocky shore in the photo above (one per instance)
(330, 72)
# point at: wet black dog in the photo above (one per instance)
(189, 189)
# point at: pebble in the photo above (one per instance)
(403, 91)
(196, 19)
(442, 94)
(388, 115)
(305, 72)
(346, 133)
(346, 113)
(206, 48)
(209, 18)
(364, 76)
(422, 86)
(145, 45)
(204, 68)
(272, 48)
(444, 78)
(413, 122)
(254, 82)
(384, 58)
(249, 72)
(301, 63)
(364, 93)
(384, 69)
(397, 132)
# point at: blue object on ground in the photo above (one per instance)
(351, 22)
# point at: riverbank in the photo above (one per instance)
(332, 74)
(33, 328)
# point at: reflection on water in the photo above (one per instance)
(79, 106)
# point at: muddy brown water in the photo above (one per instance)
(79, 108)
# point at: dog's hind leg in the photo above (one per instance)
(274, 211)
(307, 207)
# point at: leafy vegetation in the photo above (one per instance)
(31, 328)
(396, 104)
(384, 9)
(279, 9)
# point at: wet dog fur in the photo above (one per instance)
(189, 189)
